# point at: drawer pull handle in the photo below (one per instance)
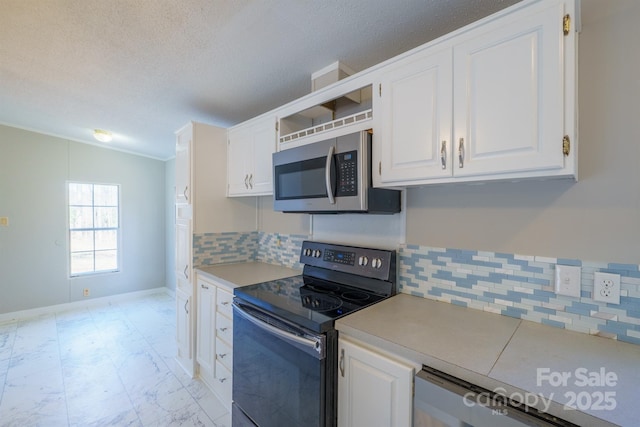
(203, 286)
(222, 355)
(223, 329)
(222, 379)
(225, 303)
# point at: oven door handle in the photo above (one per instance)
(307, 343)
(327, 175)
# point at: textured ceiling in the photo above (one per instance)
(143, 68)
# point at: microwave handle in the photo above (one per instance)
(327, 175)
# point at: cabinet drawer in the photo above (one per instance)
(224, 353)
(224, 328)
(222, 383)
(224, 300)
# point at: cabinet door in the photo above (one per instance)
(205, 327)
(415, 101)
(184, 142)
(184, 266)
(250, 148)
(508, 95)
(183, 331)
(264, 144)
(373, 390)
(240, 154)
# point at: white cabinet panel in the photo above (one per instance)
(205, 326)
(415, 104)
(373, 390)
(249, 158)
(184, 341)
(508, 97)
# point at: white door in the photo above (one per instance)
(183, 165)
(264, 144)
(373, 390)
(184, 266)
(205, 327)
(508, 96)
(240, 158)
(183, 331)
(415, 103)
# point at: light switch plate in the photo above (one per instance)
(568, 280)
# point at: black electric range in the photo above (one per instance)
(285, 343)
(336, 280)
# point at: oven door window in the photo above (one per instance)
(276, 383)
(302, 180)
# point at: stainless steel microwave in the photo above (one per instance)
(330, 176)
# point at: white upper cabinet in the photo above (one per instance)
(251, 145)
(492, 101)
(415, 103)
(508, 95)
(183, 165)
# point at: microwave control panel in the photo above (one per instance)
(347, 176)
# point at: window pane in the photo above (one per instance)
(93, 228)
(81, 241)
(81, 262)
(106, 218)
(106, 239)
(80, 194)
(80, 217)
(106, 260)
(106, 195)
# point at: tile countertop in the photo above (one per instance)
(523, 358)
(245, 273)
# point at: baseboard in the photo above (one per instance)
(52, 309)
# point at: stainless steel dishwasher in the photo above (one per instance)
(442, 400)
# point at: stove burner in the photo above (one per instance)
(321, 302)
(324, 288)
(355, 296)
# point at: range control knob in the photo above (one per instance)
(317, 253)
(376, 263)
(307, 252)
(363, 261)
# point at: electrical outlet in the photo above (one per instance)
(568, 280)
(606, 287)
(85, 292)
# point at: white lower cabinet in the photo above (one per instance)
(214, 348)
(374, 390)
(184, 341)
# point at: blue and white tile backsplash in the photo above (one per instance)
(522, 286)
(272, 248)
(217, 248)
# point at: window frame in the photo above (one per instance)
(93, 229)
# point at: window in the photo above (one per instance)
(93, 228)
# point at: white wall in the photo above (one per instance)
(34, 169)
(597, 218)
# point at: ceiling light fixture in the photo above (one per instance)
(102, 135)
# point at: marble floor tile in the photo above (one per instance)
(107, 364)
